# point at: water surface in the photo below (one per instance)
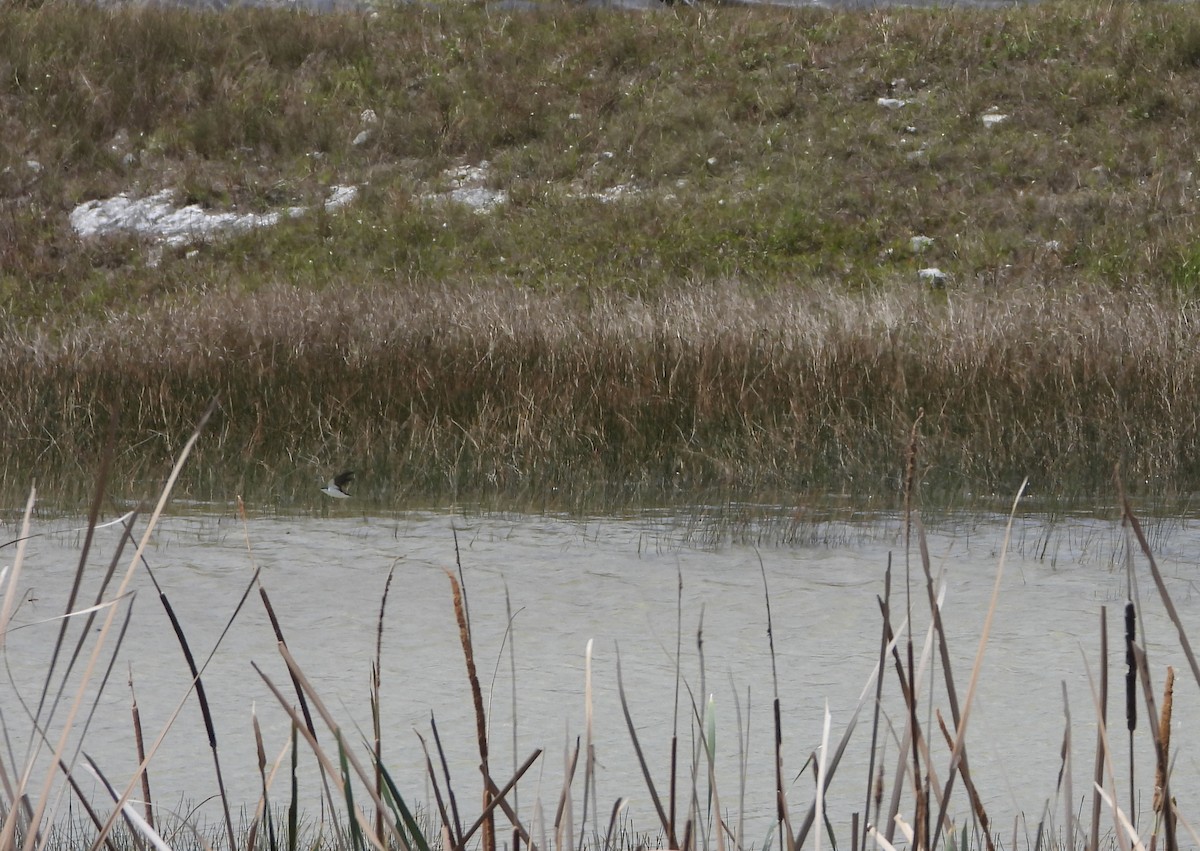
(616, 583)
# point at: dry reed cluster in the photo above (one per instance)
(472, 393)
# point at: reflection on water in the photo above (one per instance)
(615, 582)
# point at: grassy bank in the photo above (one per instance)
(702, 278)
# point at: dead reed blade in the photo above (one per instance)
(510, 813)
(821, 780)
(437, 741)
(831, 763)
(464, 634)
(637, 747)
(977, 668)
(872, 684)
(589, 750)
(11, 594)
(906, 670)
(1162, 757)
(743, 737)
(706, 726)
(376, 687)
(976, 802)
(300, 698)
(884, 642)
(782, 817)
(408, 822)
(512, 671)
(671, 806)
(1064, 772)
(90, 614)
(84, 799)
(1104, 758)
(147, 800)
(908, 676)
(137, 825)
(618, 806)
(935, 611)
(1131, 685)
(495, 798)
(205, 711)
(449, 829)
(1126, 833)
(263, 812)
(1164, 735)
(1102, 713)
(890, 822)
(329, 766)
(1167, 602)
(563, 829)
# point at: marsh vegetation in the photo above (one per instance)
(702, 277)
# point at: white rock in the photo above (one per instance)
(991, 119)
(482, 199)
(919, 243)
(467, 187)
(361, 139)
(891, 103)
(462, 175)
(616, 193)
(368, 116)
(933, 275)
(340, 196)
(157, 216)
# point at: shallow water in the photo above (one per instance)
(613, 582)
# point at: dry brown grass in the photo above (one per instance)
(578, 398)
